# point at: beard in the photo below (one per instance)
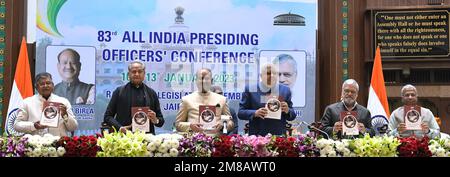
(349, 101)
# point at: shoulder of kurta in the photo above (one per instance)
(397, 111)
(187, 97)
(218, 97)
(30, 99)
(427, 111)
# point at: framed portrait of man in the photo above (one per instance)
(73, 72)
(291, 67)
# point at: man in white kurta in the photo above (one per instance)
(397, 126)
(188, 115)
(29, 114)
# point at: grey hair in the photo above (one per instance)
(42, 75)
(74, 52)
(407, 86)
(282, 58)
(136, 61)
(351, 82)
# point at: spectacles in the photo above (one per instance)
(346, 91)
(286, 74)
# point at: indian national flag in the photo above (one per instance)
(21, 88)
(378, 104)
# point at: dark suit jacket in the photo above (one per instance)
(118, 112)
(332, 115)
(251, 101)
(235, 121)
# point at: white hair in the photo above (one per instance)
(134, 62)
(408, 86)
(350, 82)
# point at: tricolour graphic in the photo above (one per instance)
(21, 89)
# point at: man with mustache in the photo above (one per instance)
(133, 94)
(29, 114)
(71, 87)
(397, 126)
(331, 122)
(187, 118)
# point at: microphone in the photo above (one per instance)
(217, 109)
(224, 129)
(225, 118)
(315, 128)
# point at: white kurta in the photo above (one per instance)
(189, 110)
(30, 112)
(397, 117)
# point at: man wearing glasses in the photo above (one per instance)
(288, 70)
(29, 115)
(254, 99)
(331, 118)
(288, 76)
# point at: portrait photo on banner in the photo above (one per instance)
(291, 65)
(73, 72)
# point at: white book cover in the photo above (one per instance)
(50, 114)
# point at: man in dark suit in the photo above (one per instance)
(134, 94)
(254, 99)
(331, 118)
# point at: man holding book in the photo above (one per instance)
(30, 115)
(197, 106)
(133, 97)
(411, 119)
(260, 104)
(332, 119)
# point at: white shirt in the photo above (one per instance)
(427, 116)
(189, 110)
(31, 110)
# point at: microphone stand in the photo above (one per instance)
(315, 128)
